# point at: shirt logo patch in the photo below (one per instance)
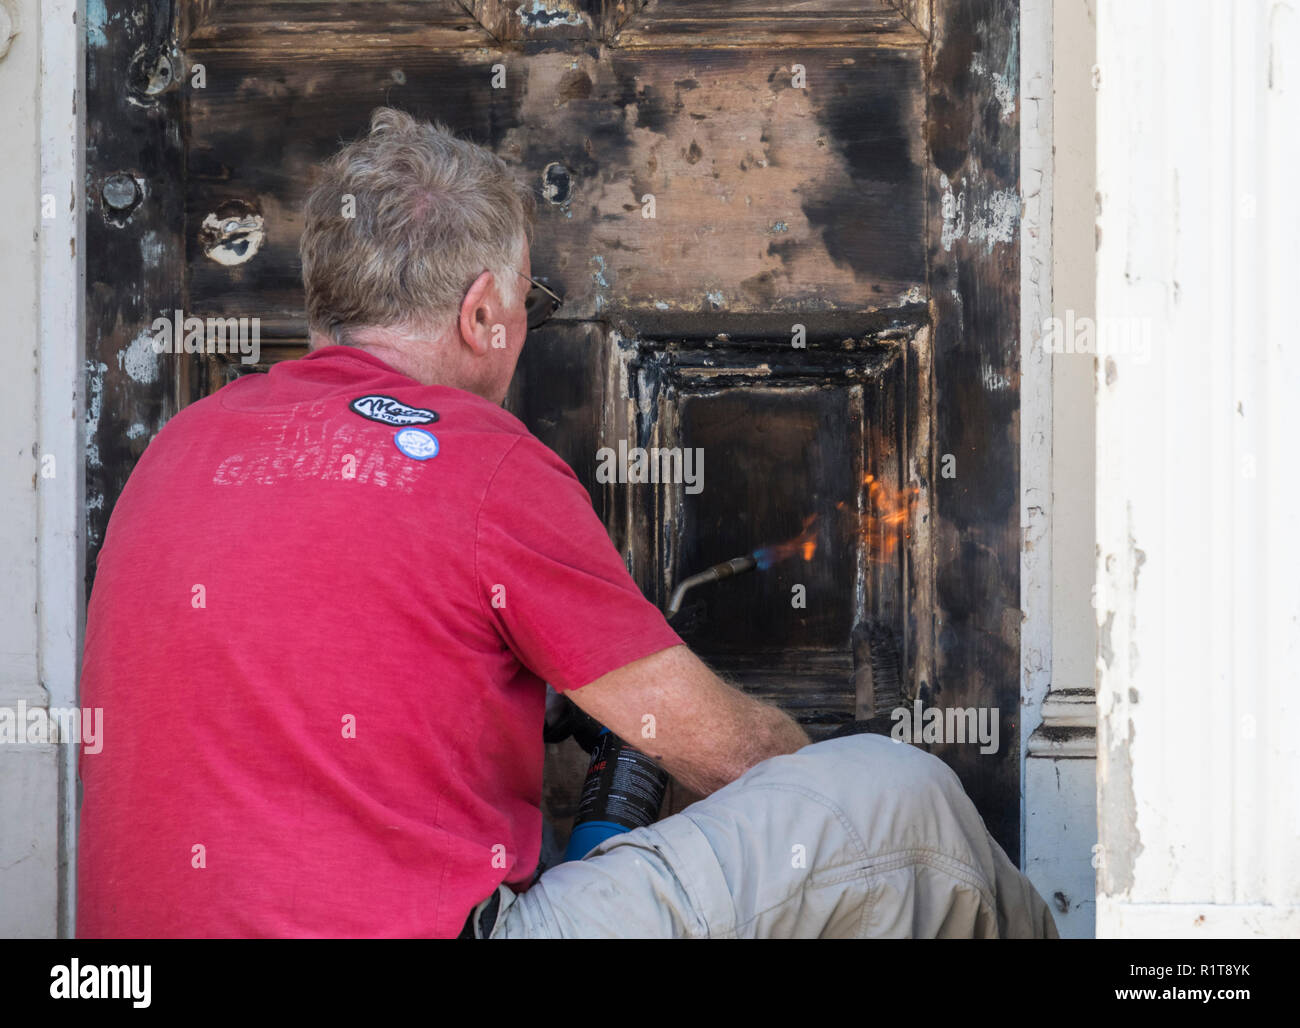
(416, 443)
(388, 411)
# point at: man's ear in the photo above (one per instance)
(477, 315)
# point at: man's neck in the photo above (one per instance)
(412, 357)
(415, 357)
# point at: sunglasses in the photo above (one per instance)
(541, 301)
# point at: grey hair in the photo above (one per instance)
(431, 213)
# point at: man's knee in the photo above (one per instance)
(867, 759)
(862, 773)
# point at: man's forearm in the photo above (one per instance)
(763, 732)
(709, 733)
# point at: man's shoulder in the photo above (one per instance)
(476, 437)
(385, 404)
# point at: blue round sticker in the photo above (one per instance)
(416, 443)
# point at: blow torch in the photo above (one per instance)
(624, 788)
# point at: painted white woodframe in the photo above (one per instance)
(28, 771)
(41, 463)
(1199, 730)
(61, 549)
(1058, 641)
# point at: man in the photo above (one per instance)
(328, 603)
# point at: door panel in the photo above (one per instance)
(787, 234)
(765, 199)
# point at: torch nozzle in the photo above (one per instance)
(728, 568)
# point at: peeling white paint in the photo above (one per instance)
(1005, 94)
(139, 360)
(152, 247)
(996, 219)
(994, 381)
(545, 15)
(954, 213)
(229, 231)
(1004, 90)
(991, 220)
(94, 401)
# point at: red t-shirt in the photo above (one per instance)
(325, 609)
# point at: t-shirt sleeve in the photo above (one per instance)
(551, 581)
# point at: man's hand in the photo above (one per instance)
(705, 732)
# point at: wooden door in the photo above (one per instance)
(787, 235)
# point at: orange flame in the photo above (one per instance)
(881, 525)
(887, 516)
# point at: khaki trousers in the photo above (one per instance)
(857, 837)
